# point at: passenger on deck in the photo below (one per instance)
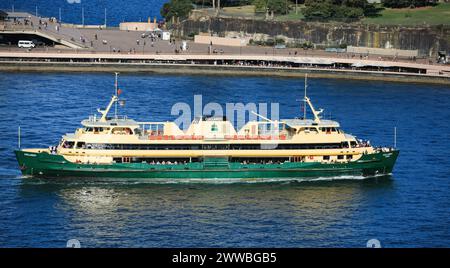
(52, 149)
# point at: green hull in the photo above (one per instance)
(48, 166)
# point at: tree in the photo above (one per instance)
(176, 8)
(260, 5)
(338, 9)
(231, 3)
(368, 9)
(343, 12)
(355, 3)
(165, 10)
(321, 9)
(407, 3)
(278, 6)
(395, 3)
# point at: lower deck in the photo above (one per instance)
(48, 165)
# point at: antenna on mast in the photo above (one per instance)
(315, 112)
(304, 99)
(114, 100)
(116, 88)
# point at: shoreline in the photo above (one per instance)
(207, 69)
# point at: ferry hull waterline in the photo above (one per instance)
(210, 148)
(43, 164)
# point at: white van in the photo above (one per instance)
(26, 44)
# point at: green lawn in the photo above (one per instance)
(241, 11)
(434, 15)
(249, 12)
(292, 16)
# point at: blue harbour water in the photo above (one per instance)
(94, 10)
(408, 209)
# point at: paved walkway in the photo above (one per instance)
(112, 40)
(113, 43)
(440, 70)
(45, 27)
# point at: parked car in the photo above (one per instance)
(26, 44)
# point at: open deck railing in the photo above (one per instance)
(95, 118)
(161, 136)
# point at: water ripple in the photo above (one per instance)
(407, 209)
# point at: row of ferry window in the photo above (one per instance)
(128, 131)
(243, 160)
(116, 130)
(327, 130)
(105, 146)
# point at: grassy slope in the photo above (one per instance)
(291, 16)
(242, 11)
(439, 14)
(435, 15)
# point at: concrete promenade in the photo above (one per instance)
(227, 65)
(433, 68)
(29, 24)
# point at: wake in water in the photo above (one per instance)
(127, 181)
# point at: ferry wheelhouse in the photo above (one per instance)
(210, 148)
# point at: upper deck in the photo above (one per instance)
(94, 121)
(309, 123)
(206, 130)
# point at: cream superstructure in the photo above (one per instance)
(108, 140)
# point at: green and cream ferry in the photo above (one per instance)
(211, 148)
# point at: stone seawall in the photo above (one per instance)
(427, 39)
(197, 69)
